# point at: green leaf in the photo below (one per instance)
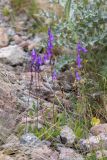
(67, 8)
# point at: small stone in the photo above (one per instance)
(4, 39)
(12, 55)
(67, 136)
(48, 143)
(17, 39)
(101, 154)
(19, 25)
(24, 44)
(101, 128)
(31, 46)
(29, 139)
(69, 154)
(10, 31)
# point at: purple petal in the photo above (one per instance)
(78, 47)
(46, 59)
(54, 75)
(78, 61)
(81, 48)
(78, 78)
(33, 54)
(50, 46)
(39, 60)
(51, 37)
(84, 50)
(49, 53)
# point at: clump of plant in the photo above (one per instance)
(6, 11)
(37, 61)
(86, 21)
(86, 109)
(49, 130)
(29, 7)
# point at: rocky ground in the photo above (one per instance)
(15, 47)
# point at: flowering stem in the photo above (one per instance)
(37, 112)
(30, 87)
(54, 106)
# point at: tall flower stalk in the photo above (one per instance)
(33, 58)
(35, 67)
(79, 60)
(54, 78)
(36, 62)
(49, 50)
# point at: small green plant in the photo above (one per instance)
(92, 156)
(49, 129)
(6, 11)
(47, 133)
(33, 110)
(20, 129)
(29, 7)
(64, 61)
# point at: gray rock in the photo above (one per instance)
(7, 124)
(94, 142)
(29, 139)
(69, 154)
(26, 152)
(11, 146)
(3, 134)
(101, 128)
(4, 40)
(67, 136)
(12, 139)
(43, 153)
(5, 157)
(12, 55)
(101, 154)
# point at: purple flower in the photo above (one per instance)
(54, 75)
(84, 50)
(78, 47)
(81, 48)
(39, 60)
(78, 78)
(78, 61)
(33, 55)
(49, 53)
(38, 63)
(49, 44)
(51, 37)
(45, 57)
